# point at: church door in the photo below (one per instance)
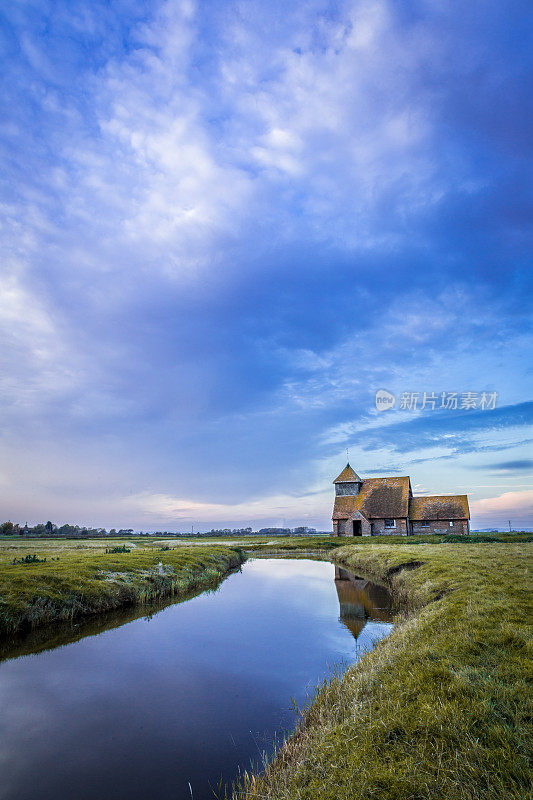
(357, 527)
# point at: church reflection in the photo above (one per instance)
(361, 600)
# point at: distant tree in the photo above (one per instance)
(112, 532)
(275, 531)
(7, 528)
(50, 527)
(67, 530)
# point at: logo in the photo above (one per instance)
(384, 400)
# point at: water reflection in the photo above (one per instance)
(361, 600)
(136, 705)
(48, 637)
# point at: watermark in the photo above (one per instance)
(422, 401)
(384, 400)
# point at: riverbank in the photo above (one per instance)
(73, 578)
(440, 709)
(68, 580)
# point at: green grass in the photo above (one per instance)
(79, 579)
(59, 633)
(442, 708)
(283, 542)
(439, 710)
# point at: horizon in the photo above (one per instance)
(241, 240)
(200, 529)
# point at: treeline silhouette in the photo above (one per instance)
(44, 529)
(51, 529)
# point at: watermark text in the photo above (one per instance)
(423, 401)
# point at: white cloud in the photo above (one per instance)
(173, 164)
(163, 508)
(180, 163)
(341, 115)
(324, 122)
(508, 503)
(34, 360)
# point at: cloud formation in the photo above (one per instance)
(225, 226)
(497, 510)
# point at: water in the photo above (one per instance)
(142, 707)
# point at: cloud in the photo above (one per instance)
(519, 465)
(223, 228)
(516, 506)
(456, 432)
(164, 509)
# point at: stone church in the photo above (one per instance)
(386, 506)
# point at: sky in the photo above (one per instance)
(226, 225)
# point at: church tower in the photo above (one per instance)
(348, 483)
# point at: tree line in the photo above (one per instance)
(51, 529)
(74, 531)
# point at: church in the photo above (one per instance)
(386, 506)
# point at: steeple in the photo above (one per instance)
(348, 476)
(348, 483)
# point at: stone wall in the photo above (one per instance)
(379, 529)
(460, 526)
(344, 527)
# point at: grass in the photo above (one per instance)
(69, 580)
(58, 633)
(326, 542)
(63, 579)
(442, 708)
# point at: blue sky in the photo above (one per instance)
(226, 225)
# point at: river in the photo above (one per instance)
(170, 704)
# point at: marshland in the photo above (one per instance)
(442, 708)
(187, 668)
(146, 700)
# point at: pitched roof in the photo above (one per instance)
(378, 498)
(348, 476)
(443, 506)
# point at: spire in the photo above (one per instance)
(348, 476)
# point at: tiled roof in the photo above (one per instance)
(379, 498)
(348, 476)
(444, 506)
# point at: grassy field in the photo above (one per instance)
(439, 710)
(442, 708)
(254, 541)
(325, 543)
(79, 578)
